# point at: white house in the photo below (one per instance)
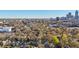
(5, 29)
(53, 25)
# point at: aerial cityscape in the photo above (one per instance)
(39, 29)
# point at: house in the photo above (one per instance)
(53, 25)
(5, 29)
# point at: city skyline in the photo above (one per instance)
(34, 13)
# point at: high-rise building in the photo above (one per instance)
(76, 14)
(69, 16)
(57, 18)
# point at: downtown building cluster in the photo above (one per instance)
(69, 20)
(69, 16)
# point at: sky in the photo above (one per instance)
(34, 13)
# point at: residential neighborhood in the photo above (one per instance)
(59, 32)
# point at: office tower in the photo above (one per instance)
(69, 16)
(76, 14)
(57, 18)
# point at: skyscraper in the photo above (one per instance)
(76, 14)
(69, 16)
